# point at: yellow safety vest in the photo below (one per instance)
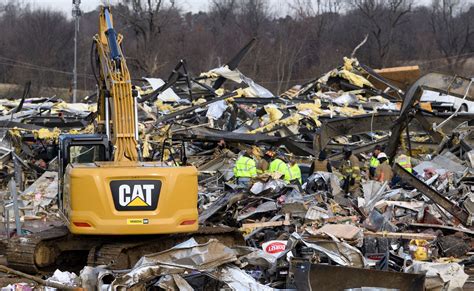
(295, 172)
(245, 167)
(374, 162)
(279, 166)
(405, 162)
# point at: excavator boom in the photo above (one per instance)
(117, 105)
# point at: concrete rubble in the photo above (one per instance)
(416, 226)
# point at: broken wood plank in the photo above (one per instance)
(341, 219)
(344, 231)
(287, 219)
(265, 224)
(401, 77)
(439, 226)
(401, 235)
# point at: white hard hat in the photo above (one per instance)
(381, 155)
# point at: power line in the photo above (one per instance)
(24, 65)
(30, 64)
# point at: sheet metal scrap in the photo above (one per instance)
(455, 210)
(309, 276)
(212, 258)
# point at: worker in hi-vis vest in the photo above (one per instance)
(245, 168)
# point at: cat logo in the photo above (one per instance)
(140, 196)
(135, 194)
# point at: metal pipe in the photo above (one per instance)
(135, 106)
(18, 173)
(16, 209)
(107, 118)
(76, 13)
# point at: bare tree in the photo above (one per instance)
(253, 20)
(222, 20)
(36, 44)
(223, 10)
(147, 18)
(316, 18)
(288, 52)
(452, 30)
(253, 14)
(382, 18)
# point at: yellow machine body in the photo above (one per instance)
(92, 207)
(124, 196)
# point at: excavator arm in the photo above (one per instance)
(117, 103)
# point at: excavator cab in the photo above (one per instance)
(80, 148)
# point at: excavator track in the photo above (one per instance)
(29, 253)
(39, 252)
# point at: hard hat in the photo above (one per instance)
(381, 155)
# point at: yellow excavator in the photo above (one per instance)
(111, 191)
(108, 198)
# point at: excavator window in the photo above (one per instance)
(81, 148)
(85, 148)
(86, 153)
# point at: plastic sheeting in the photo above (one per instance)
(216, 109)
(166, 96)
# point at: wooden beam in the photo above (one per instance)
(401, 235)
(264, 224)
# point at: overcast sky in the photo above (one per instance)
(88, 5)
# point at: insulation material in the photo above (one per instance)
(45, 133)
(273, 112)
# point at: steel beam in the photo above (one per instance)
(360, 149)
(381, 121)
(433, 195)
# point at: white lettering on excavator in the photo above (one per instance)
(148, 189)
(140, 195)
(124, 190)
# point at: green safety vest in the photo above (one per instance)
(374, 162)
(405, 162)
(278, 166)
(245, 167)
(296, 173)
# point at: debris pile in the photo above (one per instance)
(347, 176)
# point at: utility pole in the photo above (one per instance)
(76, 13)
